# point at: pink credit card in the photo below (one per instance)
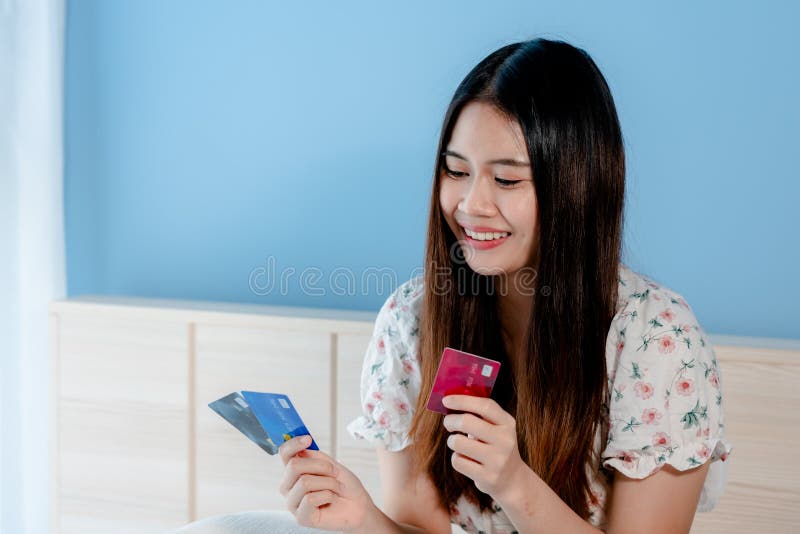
(462, 373)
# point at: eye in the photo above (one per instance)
(454, 174)
(503, 183)
(507, 183)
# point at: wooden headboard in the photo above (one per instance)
(137, 450)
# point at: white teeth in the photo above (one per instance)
(485, 236)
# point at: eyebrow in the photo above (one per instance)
(501, 161)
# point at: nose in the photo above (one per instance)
(479, 198)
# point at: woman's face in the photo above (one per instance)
(485, 153)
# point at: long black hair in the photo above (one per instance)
(567, 115)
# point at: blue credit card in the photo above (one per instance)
(277, 416)
(235, 410)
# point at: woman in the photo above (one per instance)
(608, 385)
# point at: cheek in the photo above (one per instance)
(521, 211)
(448, 197)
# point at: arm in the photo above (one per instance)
(665, 502)
(408, 501)
(377, 521)
(662, 503)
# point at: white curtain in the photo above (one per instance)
(32, 266)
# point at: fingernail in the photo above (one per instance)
(306, 440)
(446, 402)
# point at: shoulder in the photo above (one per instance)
(398, 318)
(637, 291)
(390, 377)
(653, 312)
(655, 331)
(406, 298)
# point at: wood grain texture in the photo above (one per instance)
(122, 425)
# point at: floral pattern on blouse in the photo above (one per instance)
(665, 403)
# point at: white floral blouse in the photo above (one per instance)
(665, 404)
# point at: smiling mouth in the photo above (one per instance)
(485, 236)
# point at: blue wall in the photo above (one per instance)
(204, 138)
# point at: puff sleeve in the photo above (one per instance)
(390, 378)
(666, 404)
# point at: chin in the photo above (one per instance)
(489, 269)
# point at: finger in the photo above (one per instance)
(310, 453)
(307, 484)
(486, 407)
(336, 467)
(308, 513)
(293, 446)
(465, 465)
(473, 425)
(298, 466)
(469, 447)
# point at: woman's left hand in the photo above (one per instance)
(491, 457)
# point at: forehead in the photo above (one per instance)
(481, 133)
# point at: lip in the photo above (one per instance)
(484, 245)
(481, 228)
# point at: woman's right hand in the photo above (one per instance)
(320, 492)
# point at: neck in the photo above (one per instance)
(514, 309)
